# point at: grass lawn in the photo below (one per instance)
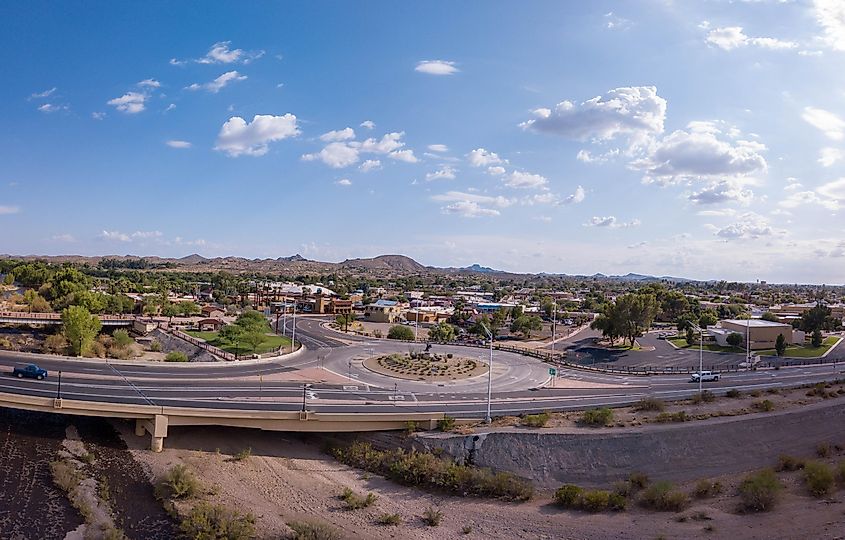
(804, 351)
(681, 343)
(272, 343)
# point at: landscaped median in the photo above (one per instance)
(271, 342)
(792, 351)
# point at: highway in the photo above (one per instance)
(519, 383)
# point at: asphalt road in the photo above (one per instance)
(519, 383)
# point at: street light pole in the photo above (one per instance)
(59, 389)
(417, 326)
(293, 332)
(554, 327)
(488, 419)
(305, 388)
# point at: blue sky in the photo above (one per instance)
(695, 138)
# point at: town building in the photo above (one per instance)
(384, 311)
(762, 334)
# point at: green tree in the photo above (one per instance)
(36, 302)
(442, 333)
(400, 332)
(769, 316)
(690, 336)
(734, 339)
(780, 345)
(122, 338)
(9, 279)
(170, 310)
(344, 320)
(819, 318)
(525, 324)
(816, 340)
(80, 328)
(708, 318)
(253, 339)
(187, 309)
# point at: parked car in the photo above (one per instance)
(705, 376)
(31, 371)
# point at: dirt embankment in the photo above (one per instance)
(677, 452)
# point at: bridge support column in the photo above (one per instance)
(139, 427)
(156, 427)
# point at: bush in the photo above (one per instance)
(427, 470)
(55, 344)
(661, 496)
(353, 501)
(823, 450)
(789, 463)
(664, 417)
(400, 332)
(705, 489)
(595, 500)
(638, 480)
(759, 491)
(447, 423)
(313, 530)
(242, 455)
(650, 404)
(432, 516)
(568, 495)
(764, 406)
(65, 476)
(155, 346)
(212, 522)
(179, 483)
(733, 393)
(704, 397)
(819, 478)
(389, 519)
(176, 356)
(596, 417)
(122, 338)
(536, 420)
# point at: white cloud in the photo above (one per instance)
(149, 83)
(146, 235)
(732, 37)
(636, 113)
(483, 158)
(98, 115)
(370, 165)
(175, 143)
(829, 156)
(444, 173)
(44, 94)
(520, 179)
(800, 198)
(346, 153)
(388, 143)
(436, 67)
(219, 83)
(51, 108)
(825, 121)
(747, 226)
(722, 212)
(586, 156)
(338, 135)
(577, 197)
(611, 222)
(403, 155)
(170, 107)
(723, 191)
(7, 210)
(438, 147)
(468, 209)
(129, 103)
(830, 15)
(220, 53)
(699, 153)
(368, 124)
(68, 238)
(614, 22)
(115, 236)
(344, 182)
(496, 170)
(486, 200)
(833, 190)
(237, 137)
(336, 155)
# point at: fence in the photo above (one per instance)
(225, 355)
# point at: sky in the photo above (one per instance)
(693, 138)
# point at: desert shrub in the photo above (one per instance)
(596, 417)
(121, 338)
(823, 450)
(432, 516)
(733, 393)
(155, 346)
(705, 489)
(55, 344)
(241, 455)
(819, 478)
(755, 393)
(661, 496)
(536, 420)
(313, 530)
(389, 519)
(789, 463)
(593, 500)
(664, 417)
(704, 397)
(5, 344)
(179, 483)
(650, 404)
(638, 480)
(764, 406)
(427, 470)
(65, 476)
(96, 350)
(447, 423)
(400, 332)
(176, 356)
(466, 529)
(212, 522)
(353, 501)
(568, 495)
(759, 491)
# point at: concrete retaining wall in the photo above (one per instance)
(677, 452)
(170, 343)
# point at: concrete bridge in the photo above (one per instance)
(156, 420)
(17, 317)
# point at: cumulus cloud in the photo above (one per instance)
(483, 158)
(149, 83)
(699, 152)
(129, 103)
(175, 143)
(800, 198)
(338, 135)
(732, 37)
(723, 191)
(829, 156)
(368, 124)
(610, 222)
(436, 67)
(344, 182)
(469, 209)
(118, 236)
(438, 148)
(96, 115)
(44, 94)
(336, 155)
(496, 170)
(237, 137)
(833, 190)
(219, 83)
(827, 122)
(51, 108)
(471, 204)
(575, 198)
(403, 155)
(748, 225)
(220, 53)
(343, 154)
(370, 165)
(830, 14)
(68, 238)
(636, 113)
(525, 180)
(444, 173)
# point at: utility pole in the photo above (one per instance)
(59, 389)
(305, 388)
(554, 327)
(293, 331)
(488, 419)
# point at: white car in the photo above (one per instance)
(704, 376)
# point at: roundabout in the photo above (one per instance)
(426, 366)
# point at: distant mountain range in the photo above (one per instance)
(383, 265)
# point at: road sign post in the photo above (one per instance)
(553, 375)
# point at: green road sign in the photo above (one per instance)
(552, 371)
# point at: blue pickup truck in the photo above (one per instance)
(31, 371)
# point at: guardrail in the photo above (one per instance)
(24, 317)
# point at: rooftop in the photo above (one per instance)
(755, 323)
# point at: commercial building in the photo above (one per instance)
(762, 334)
(385, 311)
